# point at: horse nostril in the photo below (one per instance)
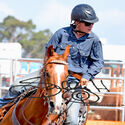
(52, 104)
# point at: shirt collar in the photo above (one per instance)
(87, 36)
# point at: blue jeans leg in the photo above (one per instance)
(10, 95)
(73, 113)
(14, 91)
(73, 106)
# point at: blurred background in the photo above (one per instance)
(26, 25)
(32, 23)
(54, 14)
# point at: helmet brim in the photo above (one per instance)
(92, 21)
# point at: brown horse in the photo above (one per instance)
(43, 107)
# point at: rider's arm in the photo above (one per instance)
(96, 57)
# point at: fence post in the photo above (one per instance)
(123, 112)
(0, 81)
(11, 71)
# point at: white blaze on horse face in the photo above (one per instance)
(59, 69)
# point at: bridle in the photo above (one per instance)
(55, 86)
(14, 117)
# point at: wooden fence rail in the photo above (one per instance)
(94, 122)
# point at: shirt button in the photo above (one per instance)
(83, 53)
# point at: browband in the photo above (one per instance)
(59, 61)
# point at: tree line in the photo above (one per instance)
(13, 30)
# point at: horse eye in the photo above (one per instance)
(47, 74)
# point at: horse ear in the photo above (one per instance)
(66, 52)
(50, 51)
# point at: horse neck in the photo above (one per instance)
(36, 102)
(36, 99)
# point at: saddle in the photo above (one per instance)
(76, 75)
(4, 109)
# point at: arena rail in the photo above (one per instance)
(104, 123)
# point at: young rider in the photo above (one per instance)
(85, 59)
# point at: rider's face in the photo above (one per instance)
(81, 26)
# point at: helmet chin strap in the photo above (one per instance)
(74, 29)
(78, 31)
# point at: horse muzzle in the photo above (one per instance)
(55, 109)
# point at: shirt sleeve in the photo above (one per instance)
(97, 62)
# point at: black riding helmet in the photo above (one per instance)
(84, 12)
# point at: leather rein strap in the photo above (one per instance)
(14, 118)
(76, 75)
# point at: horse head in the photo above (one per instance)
(55, 73)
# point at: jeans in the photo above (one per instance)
(4, 101)
(14, 91)
(73, 106)
(72, 114)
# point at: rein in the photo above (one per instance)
(14, 117)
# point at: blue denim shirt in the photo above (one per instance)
(85, 53)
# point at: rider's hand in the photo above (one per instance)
(83, 81)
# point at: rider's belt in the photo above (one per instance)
(76, 75)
